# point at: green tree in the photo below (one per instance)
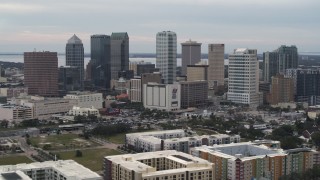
(47, 147)
(316, 138)
(78, 153)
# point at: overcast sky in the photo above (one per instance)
(258, 24)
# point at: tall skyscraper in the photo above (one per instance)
(243, 84)
(41, 73)
(167, 55)
(75, 56)
(191, 54)
(308, 86)
(270, 65)
(216, 65)
(100, 61)
(285, 57)
(119, 53)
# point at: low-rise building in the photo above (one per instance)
(179, 139)
(254, 160)
(75, 111)
(13, 112)
(13, 91)
(86, 99)
(168, 164)
(62, 170)
(162, 96)
(44, 108)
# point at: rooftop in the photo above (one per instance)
(68, 167)
(133, 161)
(74, 40)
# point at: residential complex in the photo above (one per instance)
(194, 93)
(162, 96)
(167, 55)
(179, 139)
(66, 170)
(190, 55)
(86, 99)
(41, 73)
(243, 84)
(250, 160)
(158, 165)
(216, 65)
(75, 58)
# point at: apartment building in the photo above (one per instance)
(179, 139)
(158, 165)
(250, 160)
(55, 170)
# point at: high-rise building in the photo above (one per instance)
(100, 61)
(69, 79)
(243, 84)
(197, 72)
(167, 55)
(119, 53)
(191, 54)
(308, 86)
(41, 73)
(216, 65)
(194, 93)
(146, 68)
(75, 57)
(270, 65)
(285, 57)
(282, 90)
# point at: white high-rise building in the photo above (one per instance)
(167, 55)
(243, 84)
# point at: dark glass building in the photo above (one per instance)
(100, 61)
(119, 53)
(75, 58)
(69, 79)
(308, 86)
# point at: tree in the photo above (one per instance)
(47, 147)
(4, 123)
(78, 153)
(316, 138)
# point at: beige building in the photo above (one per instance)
(58, 170)
(282, 90)
(75, 111)
(197, 72)
(216, 65)
(15, 112)
(135, 92)
(86, 99)
(13, 91)
(44, 108)
(194, 93)
(160, 165)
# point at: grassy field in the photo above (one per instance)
(201, 132)
(117, 139)
(91, 158)
(11, 160)
(62, 141)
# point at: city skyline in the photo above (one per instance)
(47, 25)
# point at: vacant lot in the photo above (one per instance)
(61, 141)
(91, 158)
(12, 160)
